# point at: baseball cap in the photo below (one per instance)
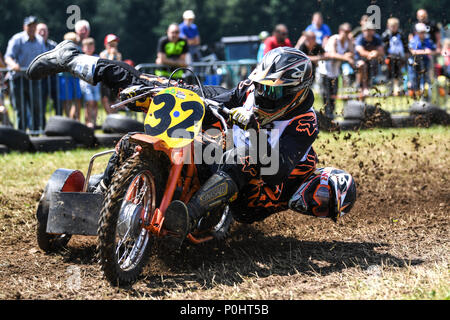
(111, 37)
(29, 20)
(422, 27)
(189, 14)
(263, 35)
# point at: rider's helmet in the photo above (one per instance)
(327, 193)
(282, 80)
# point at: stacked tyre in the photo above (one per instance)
(426, 114)
(14, 140)
(358, 115)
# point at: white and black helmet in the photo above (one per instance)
(284, 74)
(327, 193)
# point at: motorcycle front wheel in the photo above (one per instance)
(123, 244)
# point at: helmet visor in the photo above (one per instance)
(270, 92)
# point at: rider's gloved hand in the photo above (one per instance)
(140, 105)
(242, 116)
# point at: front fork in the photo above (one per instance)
(189, 187)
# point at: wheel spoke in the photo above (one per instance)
(130, 248)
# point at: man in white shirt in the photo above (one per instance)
(339, 48)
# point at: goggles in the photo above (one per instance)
(271, 92)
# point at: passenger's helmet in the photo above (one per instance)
(282, 79)
(327, 193)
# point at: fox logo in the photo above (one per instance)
(307, 123)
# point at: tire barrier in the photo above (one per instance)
(62, 126)
(65, 134)
(15, 139)
(116, 123)
(3, 149)
(107, 139)
(427, 114)
(51, 144)
(370, 116)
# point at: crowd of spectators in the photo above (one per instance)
(29, 98)
(406, 59)
(360, 54)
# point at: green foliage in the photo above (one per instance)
(139, 23)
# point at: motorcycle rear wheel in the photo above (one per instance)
(123, 244)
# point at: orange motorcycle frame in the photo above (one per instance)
(189, 186)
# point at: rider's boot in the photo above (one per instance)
(65, 57)
(182, 219)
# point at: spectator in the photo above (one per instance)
(82, 29)
(279, 38)
(358, 30)
(69, 87)
(49, 84)
(42, 30)
(91, 93)
(22, 48)
(320, 29)
(432, 32)
(4, 119)
(396, 48)
(339, 48)
(172, 52)
(311, 48)
(111, 52)
(421, 48)
(446, 55)
(189, 31)
(263, 35)
(369, 51)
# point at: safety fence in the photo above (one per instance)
(28, 104)
(218, 73)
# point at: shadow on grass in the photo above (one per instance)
(254, 254)
(248, 253)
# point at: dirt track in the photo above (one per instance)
(394, 243)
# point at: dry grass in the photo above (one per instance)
(393, 245)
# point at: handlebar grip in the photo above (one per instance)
(225, 110)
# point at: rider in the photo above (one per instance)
(276, 95)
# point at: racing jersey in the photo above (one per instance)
(292, 133)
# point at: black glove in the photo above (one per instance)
(140, 105)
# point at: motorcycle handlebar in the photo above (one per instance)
(216, 108)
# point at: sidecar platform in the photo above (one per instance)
(75, 213)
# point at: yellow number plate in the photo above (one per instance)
(175, 116)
